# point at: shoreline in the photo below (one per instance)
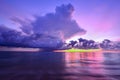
(19, 49)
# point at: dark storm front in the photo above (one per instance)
(59, 66)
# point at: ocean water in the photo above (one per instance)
(59, 66)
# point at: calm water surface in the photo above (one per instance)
(59, 66)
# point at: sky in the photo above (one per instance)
(100, 18)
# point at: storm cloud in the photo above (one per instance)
(47, 31)
(13, 38)
(58, 24)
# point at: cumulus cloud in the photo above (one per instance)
(13, 38)
(58, 24)
(9, 37)
(44, 32)
(25, 24)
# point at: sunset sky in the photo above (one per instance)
(100, 18)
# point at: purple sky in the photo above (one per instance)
(100, 18)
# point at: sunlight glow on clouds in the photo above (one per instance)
(100, 18)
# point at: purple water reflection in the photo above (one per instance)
(59, 66)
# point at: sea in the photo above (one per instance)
(59, 65)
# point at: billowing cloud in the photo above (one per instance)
(13, 38)
(44, 32)
(9, 37)
(58, 24)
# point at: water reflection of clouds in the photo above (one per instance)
(59, 66)
(84, 57)
(85, 63)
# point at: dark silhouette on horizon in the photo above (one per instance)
(91, 44)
